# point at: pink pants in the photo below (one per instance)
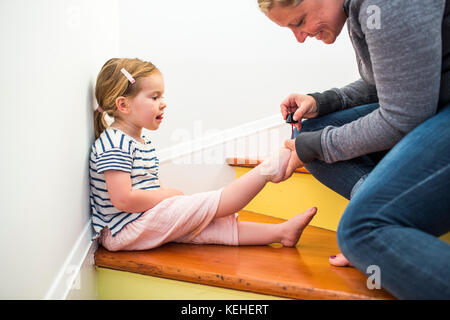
(185, 219)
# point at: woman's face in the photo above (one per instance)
(320, 19)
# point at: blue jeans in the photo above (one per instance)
(395, 216)
(343, 177)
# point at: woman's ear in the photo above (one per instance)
(122, 104)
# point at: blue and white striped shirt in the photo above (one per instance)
(115, 150)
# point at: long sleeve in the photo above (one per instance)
(355, 94)
(404, 59)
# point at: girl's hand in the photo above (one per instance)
(125, 198)
(172, 192)
(303, 105)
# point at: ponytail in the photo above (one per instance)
(100, 123)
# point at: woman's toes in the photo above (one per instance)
(340, 261)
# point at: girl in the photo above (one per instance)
(131, 210)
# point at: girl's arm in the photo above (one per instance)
(124, 198)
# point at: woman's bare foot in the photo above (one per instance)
(293, 228)
(340, 261)
(274, 167)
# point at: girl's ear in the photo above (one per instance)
(122, 104)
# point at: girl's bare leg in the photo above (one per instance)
(288, 233)
(238, 194)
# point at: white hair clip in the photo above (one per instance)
(128, 75)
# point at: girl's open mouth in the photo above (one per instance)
(160, 117)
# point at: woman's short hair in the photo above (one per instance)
(266, 5)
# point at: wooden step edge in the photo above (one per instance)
(249, 284)
(251, 163)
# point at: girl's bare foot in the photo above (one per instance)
(293, 228)
(340, 261)
(274, 167)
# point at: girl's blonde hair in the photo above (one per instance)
(266, 5)
(112, 83)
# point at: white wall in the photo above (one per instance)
(50, 53)
(225, 63)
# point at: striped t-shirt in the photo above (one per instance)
(115, 150)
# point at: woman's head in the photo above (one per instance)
(115, 93)
(322, 19)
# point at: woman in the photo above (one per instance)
(384, 140)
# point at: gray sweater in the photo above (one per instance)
(404, 66)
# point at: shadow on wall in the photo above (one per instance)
(91, 105)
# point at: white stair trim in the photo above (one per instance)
(192, 146)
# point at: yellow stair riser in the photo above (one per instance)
(295, 195)
(121, 285)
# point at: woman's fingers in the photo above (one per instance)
(286, 109)
(294, 161)
(298, 116)
(307, 108)
(289, 105)
(304, 106)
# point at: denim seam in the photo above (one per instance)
(415, 186)
(380, 242)
(358, 183)
(360, 171)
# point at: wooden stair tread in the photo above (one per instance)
(302, 272)
(251, 163)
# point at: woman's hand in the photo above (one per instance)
(294, 161)
(303, 105)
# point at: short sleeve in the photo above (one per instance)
(114, 159)
(114, 151)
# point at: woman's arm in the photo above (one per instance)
(124, 198)
(354, 94)
(405, 57)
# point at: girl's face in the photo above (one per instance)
(320, 19)
(147, 107)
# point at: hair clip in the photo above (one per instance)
(99, 109)
(128, 75)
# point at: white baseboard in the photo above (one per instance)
(69, 274)
(84, 286)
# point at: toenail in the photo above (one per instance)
(332, 257)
